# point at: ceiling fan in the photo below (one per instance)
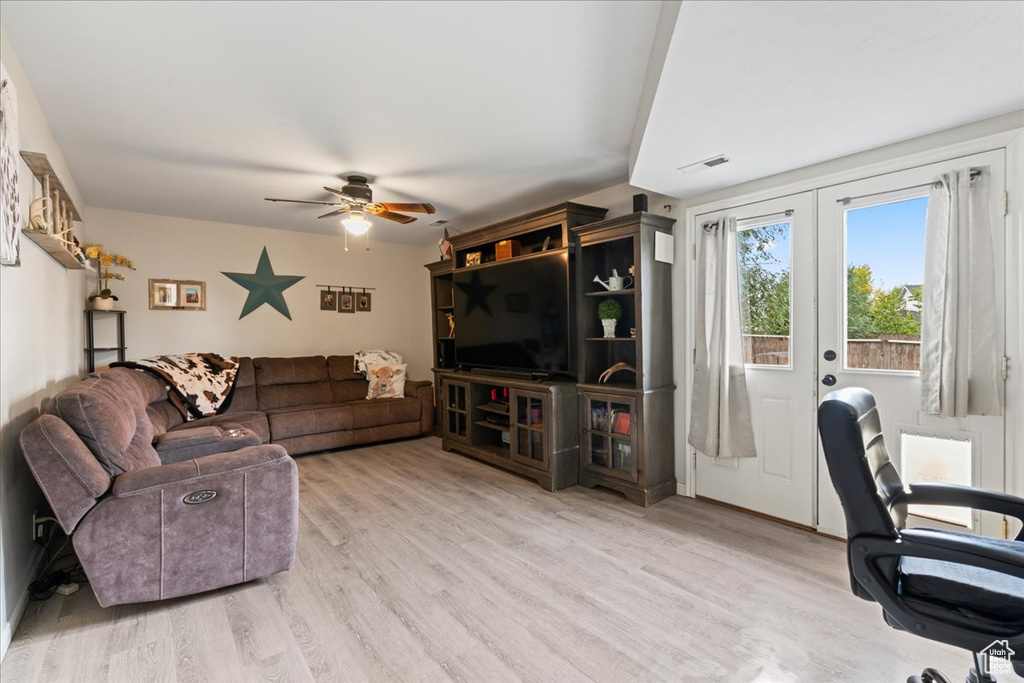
(356, 205)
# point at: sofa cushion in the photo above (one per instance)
(305, 420)
(254, 421)
(163, 416)
(384, 411)
(343, 368)
(291, 395)
(349, 390)
(243, 396)
(303, 370)
(109, 416)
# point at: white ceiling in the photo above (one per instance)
(781, 85)
(201, 110)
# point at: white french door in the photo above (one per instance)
(871, 235)
(776, 243)
(851, 258)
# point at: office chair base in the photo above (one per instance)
(933, 676)
(929, 676)
(974, 677)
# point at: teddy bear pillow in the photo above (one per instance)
(386, 381)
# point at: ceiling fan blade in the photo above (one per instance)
(415, 208)
(337, 192)
(302, 201)
(391, 216)
(334, 213)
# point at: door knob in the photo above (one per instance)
(828, 380)
(830, 355)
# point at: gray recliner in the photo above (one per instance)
(155, 516)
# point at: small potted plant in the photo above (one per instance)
(103, 299)
(609, 311)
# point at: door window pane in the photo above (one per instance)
(884, 276)
(938, 461)
(765, 301)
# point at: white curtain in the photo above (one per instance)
(959, 369)
(720, 424)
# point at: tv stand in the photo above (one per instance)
(522, 425)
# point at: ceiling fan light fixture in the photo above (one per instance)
(356, 222)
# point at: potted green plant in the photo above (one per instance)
(103, 299)
(609, 311)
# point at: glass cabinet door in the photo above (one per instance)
(609, 444)
(455, 410)
(529, 418)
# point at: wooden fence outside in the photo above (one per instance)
(895, 352)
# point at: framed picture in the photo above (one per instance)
(328, 300)
(472, 258)
(363, 302)
(177, 295)
(192, 295)
(10, 201)
(346, 302)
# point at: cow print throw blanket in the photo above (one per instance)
(203, 380)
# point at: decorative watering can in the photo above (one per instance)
(614, 281)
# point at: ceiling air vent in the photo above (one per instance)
(704, 165)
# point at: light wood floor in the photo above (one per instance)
(419, 565)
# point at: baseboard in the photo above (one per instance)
(9, 627)
(681, 490)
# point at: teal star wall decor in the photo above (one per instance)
(264, 287)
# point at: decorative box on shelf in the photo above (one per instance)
(506, 249)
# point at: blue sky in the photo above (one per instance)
(890, 239)
(887, 237)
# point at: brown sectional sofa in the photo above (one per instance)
(160, 507)
(312, 404)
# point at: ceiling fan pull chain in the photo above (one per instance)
(346, 239)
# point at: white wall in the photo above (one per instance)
(41, 341)
(184, 249)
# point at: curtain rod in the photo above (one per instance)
(975, 173)
(711, 225)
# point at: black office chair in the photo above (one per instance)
(949, 586)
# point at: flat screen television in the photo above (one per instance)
(515, 315)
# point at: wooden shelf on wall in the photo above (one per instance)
(55, 248)
(40, 167)
(62, 212)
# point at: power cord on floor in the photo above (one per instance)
(51, 583)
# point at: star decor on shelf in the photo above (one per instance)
(264, 287)
(476, 294)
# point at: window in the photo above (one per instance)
(884, 276)
(765, 301)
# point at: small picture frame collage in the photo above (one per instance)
(166, 294)
(346, 299)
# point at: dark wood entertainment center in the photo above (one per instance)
(616, 432)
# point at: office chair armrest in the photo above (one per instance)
(953, 495)
(935, 545)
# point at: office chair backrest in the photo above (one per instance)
(858, 462)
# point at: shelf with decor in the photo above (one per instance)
(52, 215)
(442, 303)
(524, 426)
(522, 237)
(625, 373)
